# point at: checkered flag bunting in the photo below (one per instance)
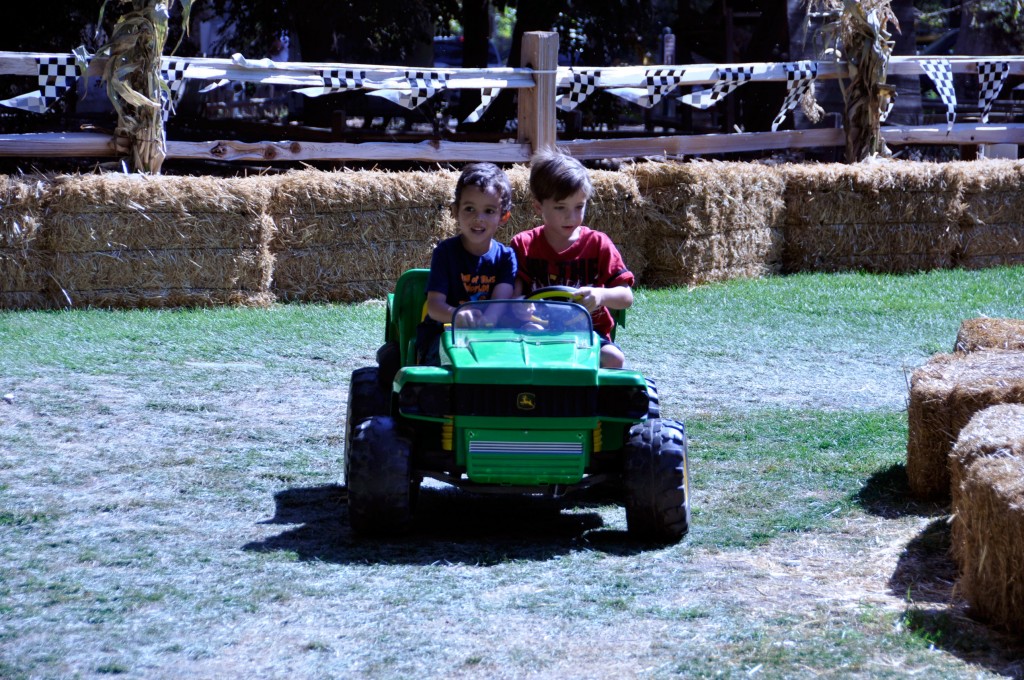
(580, 85)
(173, 73)
(800, 77)
(487, 96)
(422, 86)
(339, 80)
(56, 76)
(941, 74)
(991, 75)
(728, 80)
(660, 82)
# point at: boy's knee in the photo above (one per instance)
(612, 357)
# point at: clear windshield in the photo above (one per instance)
(541, 321)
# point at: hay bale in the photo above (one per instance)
(347, 236)
(710, 221)
(878, 217)
(741, 253)
(22, 262)
(131, 241)
(992, 552)
(944, 394)
(991, 432)
(986, 333)
(346, 275)
(991, 233)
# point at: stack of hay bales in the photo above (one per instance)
(348, 236)
(877, 217)
(986, 333)
(987, 466)
(22, 279)
(990, 218)
(615, 208)
(143, 241)
(944, 394)
(710, 221)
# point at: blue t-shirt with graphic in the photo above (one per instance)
(464, 277)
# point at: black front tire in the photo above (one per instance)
(378, 475)
(657, 481)
(654, 404)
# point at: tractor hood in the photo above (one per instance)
(518, 342)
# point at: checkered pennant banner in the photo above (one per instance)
(421, 86)
(658, 83)
(800, 77)
(338, 80)
(56, 76)
(941, 74)
(579, 86)
(173, 73)
(991, 75)
(728, 80)
(487, 96)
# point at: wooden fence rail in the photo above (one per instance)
(538, 81)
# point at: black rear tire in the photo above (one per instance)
(365, 397)
(389, 360)
(378, 475)
(657, 481)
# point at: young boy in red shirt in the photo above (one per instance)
(563, 252)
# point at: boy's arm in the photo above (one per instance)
(618, 297)
(438, 308)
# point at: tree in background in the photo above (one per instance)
(348, 31)
(990, 27)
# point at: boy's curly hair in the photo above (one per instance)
(485, 176)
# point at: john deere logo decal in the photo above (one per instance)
(526, 401)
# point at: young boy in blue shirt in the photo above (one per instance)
(471, 265)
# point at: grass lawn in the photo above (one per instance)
(171, 503)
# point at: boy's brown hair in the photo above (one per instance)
(555, 175)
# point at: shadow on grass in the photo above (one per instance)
(450, 527)
(925, 576)
(887, 494)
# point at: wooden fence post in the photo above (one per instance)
(537, 104)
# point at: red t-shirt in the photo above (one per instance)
(592, 260)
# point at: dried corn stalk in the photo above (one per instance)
(858, 33)
(133, 80)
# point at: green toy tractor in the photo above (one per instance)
(518, 405)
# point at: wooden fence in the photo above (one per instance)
(540, 82)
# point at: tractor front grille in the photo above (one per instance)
(537, 401)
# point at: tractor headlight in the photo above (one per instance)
(425, 399)
(623, 402)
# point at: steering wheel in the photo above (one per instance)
(557, 293)
(569, 320)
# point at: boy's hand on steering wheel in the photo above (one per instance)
(591, 298)
(467, 318)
